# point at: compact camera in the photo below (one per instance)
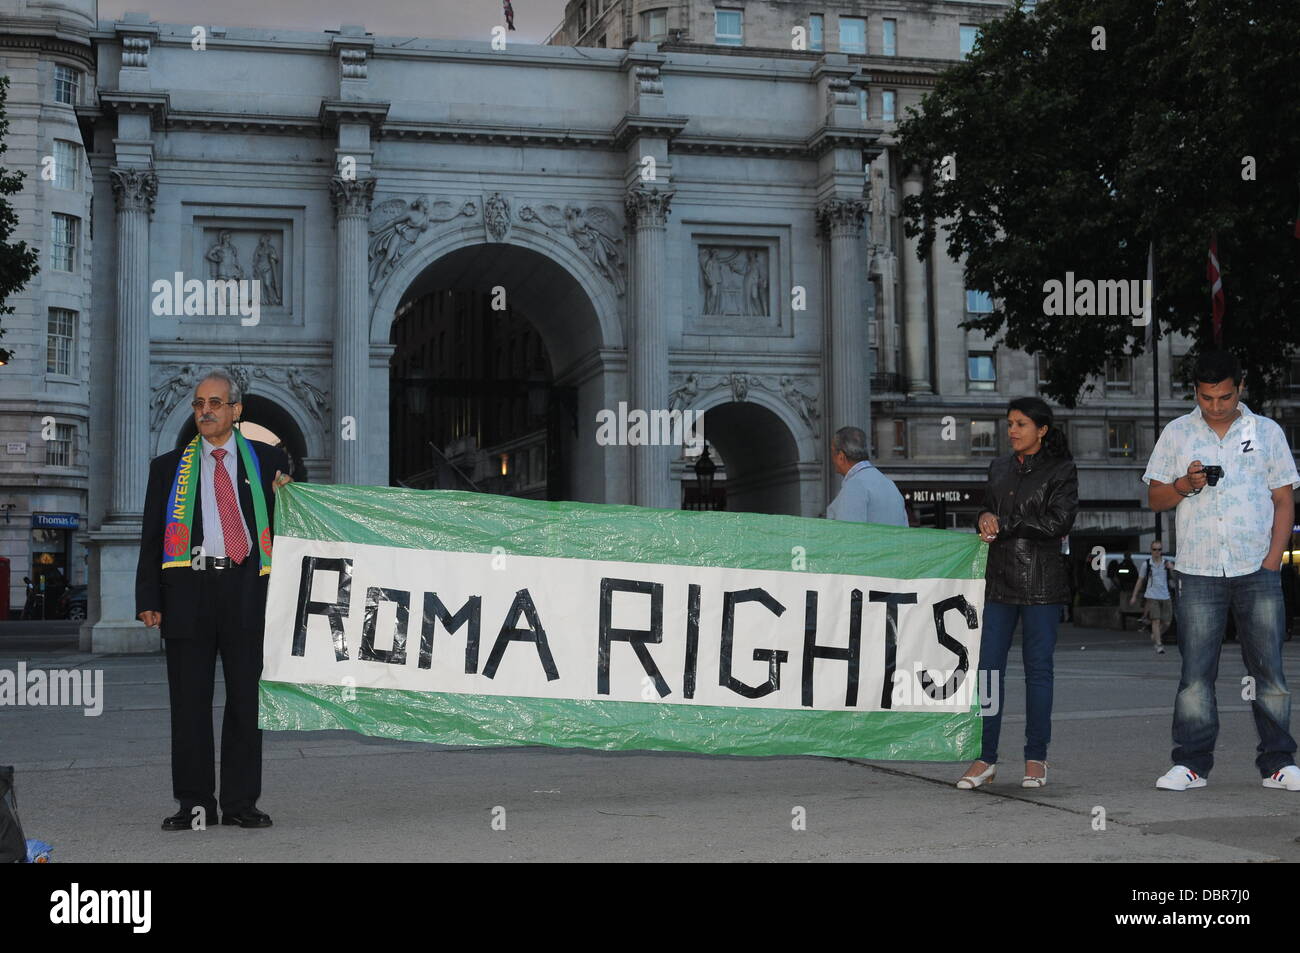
(1213, 474)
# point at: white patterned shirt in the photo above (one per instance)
(1225, 530)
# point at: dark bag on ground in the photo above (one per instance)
(13, 845)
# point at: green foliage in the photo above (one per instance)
(17, 261)
(1070, 158)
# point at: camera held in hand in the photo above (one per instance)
(1213, 474)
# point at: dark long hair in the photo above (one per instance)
(1054, 442)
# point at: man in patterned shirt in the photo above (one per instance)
(1233, 528)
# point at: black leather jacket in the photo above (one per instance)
(1035, 503)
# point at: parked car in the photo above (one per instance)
(72, 603)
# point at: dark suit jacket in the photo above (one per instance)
(175, 592)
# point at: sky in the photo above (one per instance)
(432, 19)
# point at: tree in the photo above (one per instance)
(17, 261)
(1087, 128)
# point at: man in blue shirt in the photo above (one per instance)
(1230, 475)
(867, 495)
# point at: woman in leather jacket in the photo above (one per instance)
(1029, 505)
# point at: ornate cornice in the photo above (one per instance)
(406, 130)
(37, 42)
(834, 137)
(243, 123)
(351, 196)
(118, 102)
(661, 127)
(134, 190)
(648, 207)
(335, 111)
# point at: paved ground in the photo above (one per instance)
(97, 788)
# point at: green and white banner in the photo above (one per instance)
(467, 618)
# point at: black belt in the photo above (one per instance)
(216, 562)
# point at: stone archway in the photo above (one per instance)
(575, 314)
(770, 462)
(267, 414)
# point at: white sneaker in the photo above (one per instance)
(1287, 778)
(1182, 778)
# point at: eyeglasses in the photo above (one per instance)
(213, 403)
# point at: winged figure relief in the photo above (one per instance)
(396, 225)
(595, 230)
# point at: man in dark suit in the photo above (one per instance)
(202, 578)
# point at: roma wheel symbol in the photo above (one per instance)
(176, 539)
(266, 541)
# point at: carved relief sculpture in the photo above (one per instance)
(734, 281)
(595, 231)
(395, 227)
(178, 383)
(224, 258)
(266, 269)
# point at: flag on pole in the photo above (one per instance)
(509, 12)
(1217, 299)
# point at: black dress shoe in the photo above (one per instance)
(184, 820)
(249, 818)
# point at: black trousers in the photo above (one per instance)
(191, 672)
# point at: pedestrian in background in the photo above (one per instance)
(1154, 582)
(1029, 505)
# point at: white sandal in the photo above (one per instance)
(1032, 782)
(970, 781)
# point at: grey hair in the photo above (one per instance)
(852, 441)
(221, 374)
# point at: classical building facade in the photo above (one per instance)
(679, 233)
(938, 392)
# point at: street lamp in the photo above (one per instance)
(704, 470)
(417, 392)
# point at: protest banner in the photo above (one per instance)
(468, 618)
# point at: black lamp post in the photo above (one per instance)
(704, 470)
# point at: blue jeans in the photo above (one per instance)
(1038, 644)
(1256, 603)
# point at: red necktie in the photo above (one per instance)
(232, 522)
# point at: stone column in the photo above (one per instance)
(647, 213)
(916, 318)
(134, 192)
(847, 362)
(351, 198)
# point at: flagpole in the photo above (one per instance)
(1153, 338)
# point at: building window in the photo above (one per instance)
(981, 371)
(900, 438)
(67, 85)
(1044, 370)
(1294, 382)
(728, 27)
(67, 164)
(968, 39)
(1119, 374)
(61, 343)
(63, 242)
(889, 37)
(58, 452)
(816, 32)
(654, 24)
(887, 105)
(978, 302)
(862, 111)
(1293, 438)
(853, 35)
(983, 436)
(1123, 438)
(582, 18)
